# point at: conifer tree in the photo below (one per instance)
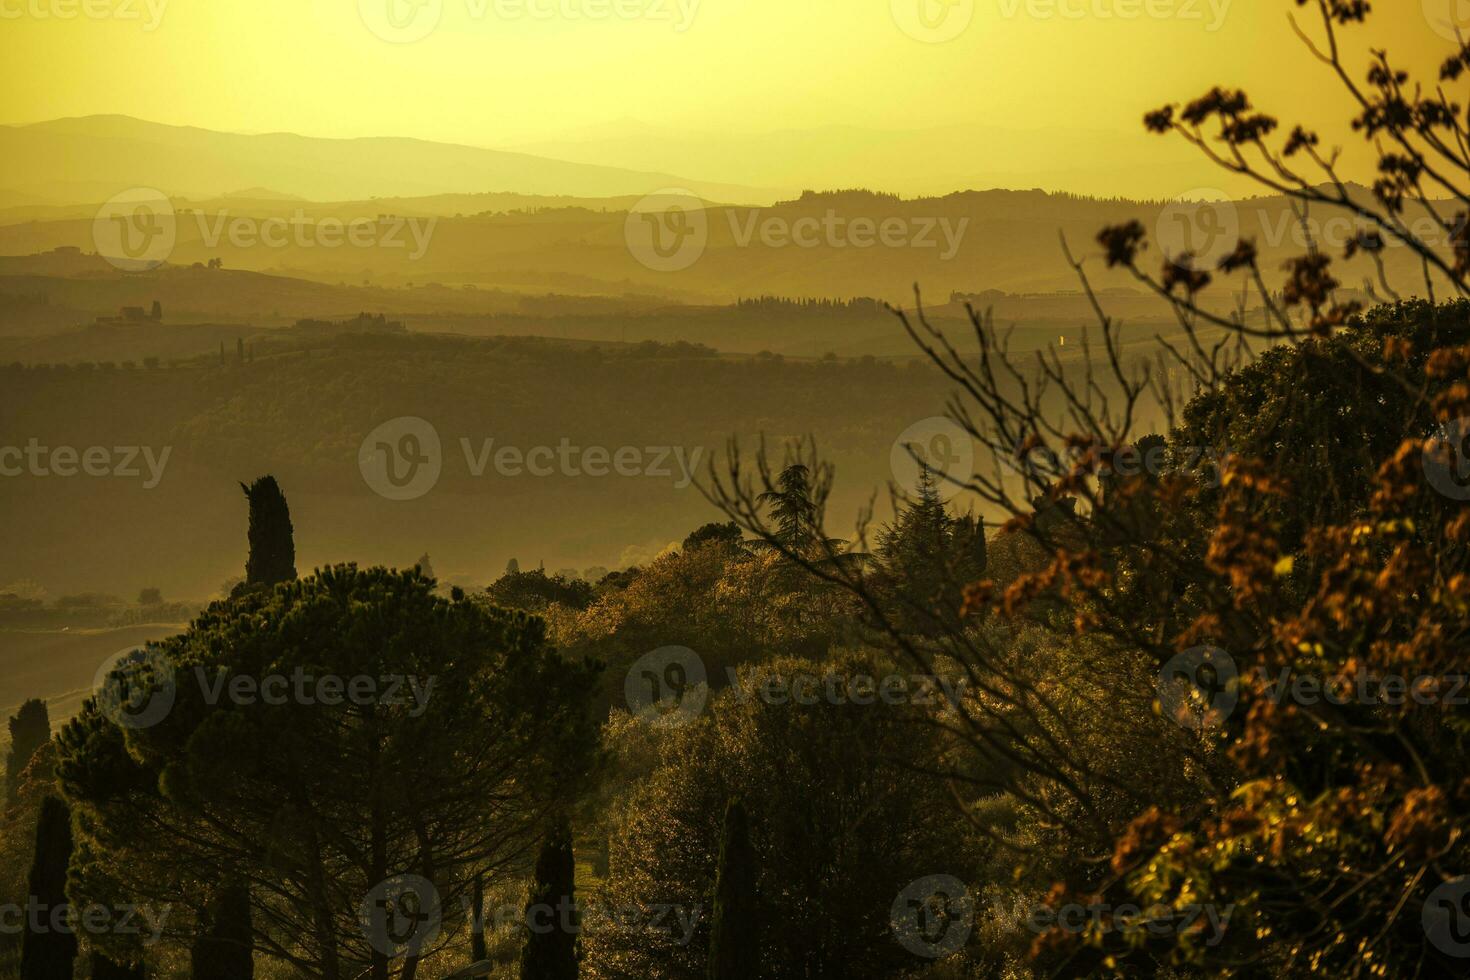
(46, 952)
(223, 948)
(550, 952)
(272, 556)
(792, 507)
(733, 948)
(30, 729)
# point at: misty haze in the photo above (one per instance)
(710, 490)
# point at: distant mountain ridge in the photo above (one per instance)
(90, 158)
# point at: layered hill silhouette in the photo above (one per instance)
(93, 157)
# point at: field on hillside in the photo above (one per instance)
(60, 666)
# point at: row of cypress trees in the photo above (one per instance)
(224, 947)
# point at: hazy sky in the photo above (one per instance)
(503, 72)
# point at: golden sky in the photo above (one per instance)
(512, 72)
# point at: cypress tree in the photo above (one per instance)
(733, 950)
(223, 950)
(29, 730)
(272, 556)
(46, 952)
(478, 951)
(224, 947)
(550, 952)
